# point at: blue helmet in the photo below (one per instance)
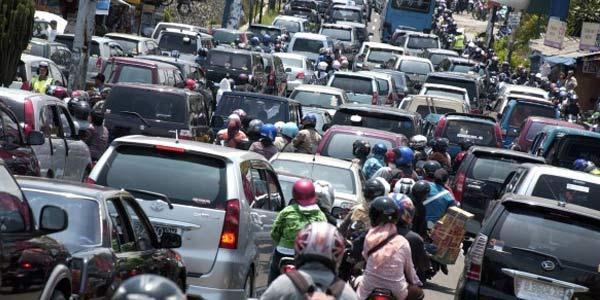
(255, 41)
(404, 156)
(290, 130)
(379, 149)
(266, 39)
(309, 119)
(268, 131)
(580, 164)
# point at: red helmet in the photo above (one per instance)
(76, 94)
(190, 84)
(319, 241)
(390, 157)
(60, 92)
(304, 192)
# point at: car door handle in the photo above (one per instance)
(475, 187)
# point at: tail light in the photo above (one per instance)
(375, 99)
(287, 268)
(99, 64)
(390, 99)
(271, 79)
(475, 257)
(26, 265)
(76, 272)
(29, 117)
(380, 297)
(498, 136)
(440, 127)
(169, 149)
(459, 185)
(231, 225)
(300, 75)
(89, 180)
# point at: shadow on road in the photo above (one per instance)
(438, 288)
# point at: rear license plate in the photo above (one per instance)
(162, 228)
(527, 289)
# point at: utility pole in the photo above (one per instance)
(84, 30)
(226, 13)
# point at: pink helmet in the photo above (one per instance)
(304, 192)
(319, 241)
(190, 84)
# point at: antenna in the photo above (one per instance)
(176, 135)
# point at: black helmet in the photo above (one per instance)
(97, 116)
(420, 189)
(383, 210)
(79, 109)
(465, 144)
(373, 188)
(441, 176)
(148, 286)
(361, 148)
(440, 145)
(254, 127)
(430, 167)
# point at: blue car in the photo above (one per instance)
(516, 111)
(561, 146)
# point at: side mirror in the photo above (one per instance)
(217, 121)
(170, 240)
(35, 138)
(53, 219)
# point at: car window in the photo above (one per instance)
(470, 86)
(353, 84)
(15, 212)
(129, 46)
(492, 169)
(9, 130)
(381, 55)
(522, 111)
(266, 110)
(225, 37)
(165, 107)
(129, 73)
(534, 129)
(444, 93)
(342, 179)
(36, 49)
(175, 41)
(68, 129)
(422, 42)
(340, 144)
(275, 194)
(338, 33)
(389, 123)
(289, 26)
(307, 45)
(49, 124)
(140, 230)
(384, 86)
(414, 67)
(121, 233)
(115, 50)
(567, 190)
(292, 62)
(229, 60)
(56, 74)
(480, 134)
(310, 98)
(425, 110)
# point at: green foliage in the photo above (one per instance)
(167, 15)
(269, 16)
(582, 11)
(16, 28)
(530, 28)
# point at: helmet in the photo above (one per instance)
(441, 176)
(440, 145)
(243, 79)
(79, 109)
(404, 156)
(418, 142)
(148, 286)
(390, 157)
(361, 148)
(309, 119)
(579, 164)
(373, 188)
(266, 39)
(190, 84)
(322, 66)
(385, 183)
(304, 192)
(345, 63)
(319, 241)
(268, 131)
(420, 189)
(406, 208)
(563, 94)
(240, 112)
(279, 126)
(404, 186)
(289, 129)
(430, 167)
(59, 92)
(466, 144)
(336, 65)
(255, 126)
(325, 194)
(379, 149)
(383, 210)
(254, 41)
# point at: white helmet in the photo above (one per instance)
(336, 65)
(418, 141)
(404, 186)
(278, 125)
(325, 194)
(322, 66)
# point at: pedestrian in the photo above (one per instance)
(97, 135)
(99, 80)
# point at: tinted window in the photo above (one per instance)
(470, 86)
(170, 42)
(137, 168)
(420, 6)
(381, 55)
(421, 42)
(445, 93)
(150, 105)
(268, 111)
(534, 129)
(437, 58)
(492, 169)
(289, 26)
(425, 110)
(461, 68)
(346, 15)
(129, 46)
(307, 98)
(132, 74)
(524, 110)
(229, 60)
(383, 86)
(480, 134)
(390, 123)
(225, 37)
(550, 233)
(415, 67)
(338, 34)
(83, 230)
(568, 190)
(340, 144)
(67, 40)
(292, 62)
(574, 147)
(307, 45)
(14, 211)
(341, 179)
(353, 84)
(36, 49)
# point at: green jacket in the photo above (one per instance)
(290, 220)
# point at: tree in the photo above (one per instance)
(582, 11)
(16, 28)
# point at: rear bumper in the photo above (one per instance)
(225, 280)
(202, 292)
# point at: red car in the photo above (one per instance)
(137, 70)
(337, 141)
(532, 126)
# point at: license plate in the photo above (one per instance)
(161, 228)
(527, 289)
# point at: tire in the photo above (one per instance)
(249, 285)
(58, 295)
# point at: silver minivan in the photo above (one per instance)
(224, 204)
(63, 155)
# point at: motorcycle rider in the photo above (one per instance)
(388, 255)
(288, 133)
(322, 74)
(584, 165)
(96, 136)
(465, 145)
(419, 192)
(361, 150)
(255, 44)
(439, 198)
(372, 189)
(231, 136)
(572, 107)
(266, 40)
(375, 161)
(440, 154)
(418, 143)
(80, 110)
(460, 40)
(308, 138)
(318, 252)
(264, 146)
(148, 286)
(404, 159)
(42, 80)
(325, 198)
(291, 220)
(252, 134)
(429, 168)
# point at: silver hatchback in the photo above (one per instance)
(224, 204)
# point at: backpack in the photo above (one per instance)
(310, 291)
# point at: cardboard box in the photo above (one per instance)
(448, 234)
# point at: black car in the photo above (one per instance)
(533, 246)
(33, 265)
(156, 111)
(461, 65)
(276, 75)
(379, 117)
(111, 239)
(227, 62)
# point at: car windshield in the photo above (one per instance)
(341, 179)
(264, 109)
(292, 62)
(129, 73)
(551, 233)
(480, 134)
(160, 106)
(129, 46)
(346, 15)
(383, 87)
(494, 169)
(136, 167)
(414, 67)
(436, 59)
(568, 190)
(422, 42)
(84, 229)
(173, 41)
(36, 49)
(340, 144)
(380, 121)
(469, 85)
(524, 110)
(337, 34)
(289, 26)
(225, 37)
(229, 60)
(14, 210)
(381, 55)
(445, 93)
(308, 45)
(309, 98)
(353, 84)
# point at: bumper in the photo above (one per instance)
(225, 280)
(202, 292)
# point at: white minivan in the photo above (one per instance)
(309, 44)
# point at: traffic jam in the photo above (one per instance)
(342, 149)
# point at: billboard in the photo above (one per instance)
(555, 33)
(590, 36)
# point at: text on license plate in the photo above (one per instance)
(160, 229)
(527, 289)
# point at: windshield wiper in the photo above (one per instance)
(135, 114)
(159, 196)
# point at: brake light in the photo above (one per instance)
(26, 265)
(459, 185)
(288, 268)
(169, 149)
(498, 136)
(475, 257)
(271, 78)
(300, 75)
(440, 127)
(375, 99)
(231, 225)
(89, 180)
(29, 117)
(380, 297)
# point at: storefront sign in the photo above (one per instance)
(102, 7)
(590, 36)
(555, 33)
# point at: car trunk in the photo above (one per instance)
(222, 64)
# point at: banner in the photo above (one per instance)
(102, 7)
(590, 37)
(555, 33)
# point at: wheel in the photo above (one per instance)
(249, 285)
(58, 295)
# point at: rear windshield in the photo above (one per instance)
(340, 144)
(425, 110)
(470, 86)
(307, 98)
(462, 68)
(445, 93)
(165, 107)
(422, 42)
(308, 45)
(384, 86)
(266, 110)
(35, 49)
(273, 32)
(381, 55)
(128, 73)
(414, 67)
(550, 234)
(346, 15)
(480, 134)
(83, 230)
(338, 34)
(129, 46)
(568, 190)
(353, 84)
(436, 59)
(229, 60)
(574, 147)
(133, 167)
(341, 179)
(291, 62)
(494, 169)
(289, 26)
(225, 37)
(524, 110)
(169, 42)
(385, 122)
(534, 129)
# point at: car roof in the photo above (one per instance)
(231, 50)
(413, 58)
(470, 117)
(141, 62)
(335, 25)
(378, 109)
(382, 46)
(310, 36)
(441, 51)
(527, 97)
(549, 121)
(455, 75)
(226, 153)
(127, 36)
(30, 58)
(95, 38)
(353, 74)
(438, 99)
(353, 24)
(319, 88)
(152, 87)
(533, 100)
(353, 130)
(255, 25)
(551, 204)
(445, 86)
(290, 18)
(506, 152)
(18, 94)
(316, 159)
(228, 30)
(514, 87)
(290, 55)
(260, 96)
(182, 32)
(44, 41)
(350, 7)
(378, 75)
(570, 131)
(71, 188)
(458, 59)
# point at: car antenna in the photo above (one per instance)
(176, 135)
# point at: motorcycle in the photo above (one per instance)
(381, 294)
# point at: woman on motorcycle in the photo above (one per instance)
(372, 189)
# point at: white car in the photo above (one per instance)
(134, 44)
(416, 68)
(445, 91)
(520, 90)
(320, 96)
(374, 55)
(299, 69)
(292, 25)
(309, 44)
(179, 26)
(414, 42)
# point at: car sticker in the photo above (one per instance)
(578, 188)
(470, 137)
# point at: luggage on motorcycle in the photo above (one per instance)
(311, 291)
(448, 234)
